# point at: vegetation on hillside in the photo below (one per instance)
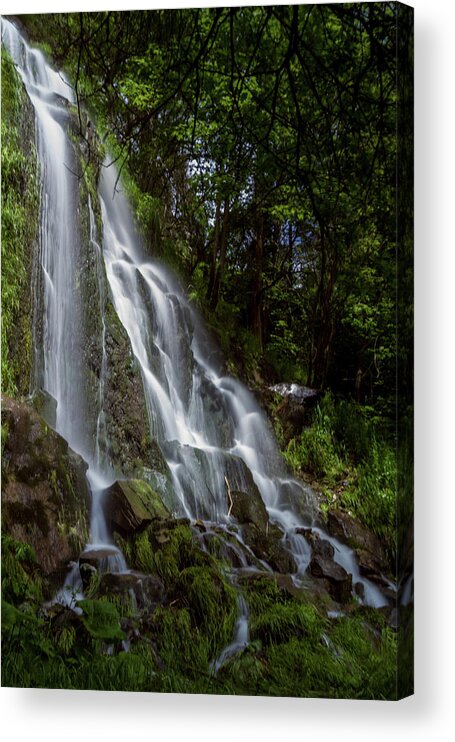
(260, 147)
(263, 143)
(294, 649)
(19, 224)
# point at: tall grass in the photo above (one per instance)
(351, 453)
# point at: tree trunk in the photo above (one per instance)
(323, 330)
(256, 305)
(222, 243)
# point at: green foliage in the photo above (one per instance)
(19, 206)
(176, 554)
(101, 619)
(316, 450)
(184, 649)
(212, 604)
(21, 581)
(348, 449)
(373, 498)
(296, 651)
(276, 624)
(262, 148)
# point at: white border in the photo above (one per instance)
(66, 716)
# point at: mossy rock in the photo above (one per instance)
(45, 497)
(131, 505)
(268, 547)
(212, 602)
(248, 507)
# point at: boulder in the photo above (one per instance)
(339, 581)
(319, 546)
(248, 507)
(148, 589)
(350, 531)
(131, 505)
(45, 496)
(294, 412)
(371, 567)
(46, 405)
(268, 547)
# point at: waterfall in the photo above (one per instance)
(210, 429)
(59, 370)
(51, 94)
(208, 425)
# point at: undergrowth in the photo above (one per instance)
(19, 224)
(354, 460)
(293, 649)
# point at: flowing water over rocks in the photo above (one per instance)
(209, 452)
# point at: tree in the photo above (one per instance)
(265, 140)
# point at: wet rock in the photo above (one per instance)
(131, 505)
(369, 550)
(268, 547)
(93, 560)
(339, 581)
(320, 546)
(45, 497)
(248, 507)
(148, 589)
(371, 567)
(46, 405)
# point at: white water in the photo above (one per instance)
(213, 434)
(208, 425)
(241, 637)
(50, 94)
(58, 366)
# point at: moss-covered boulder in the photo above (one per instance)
(131, 505)
(248, 507)
(269, 548)
(264, 538)
(45, 497)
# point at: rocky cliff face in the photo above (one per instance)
(19, 230)
(45, 498)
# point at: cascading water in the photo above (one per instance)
(209, 427)
(58, 367)
(50, 94)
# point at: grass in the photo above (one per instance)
(294, 649)
(354, 460)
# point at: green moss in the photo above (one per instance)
(179, 646)
(212, 603)
(143, 500)
(177, 552)
(5, 432)
(101, 619)
(20, 209)
(53, 481)
(280, 621)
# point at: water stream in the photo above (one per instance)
(213, 434)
